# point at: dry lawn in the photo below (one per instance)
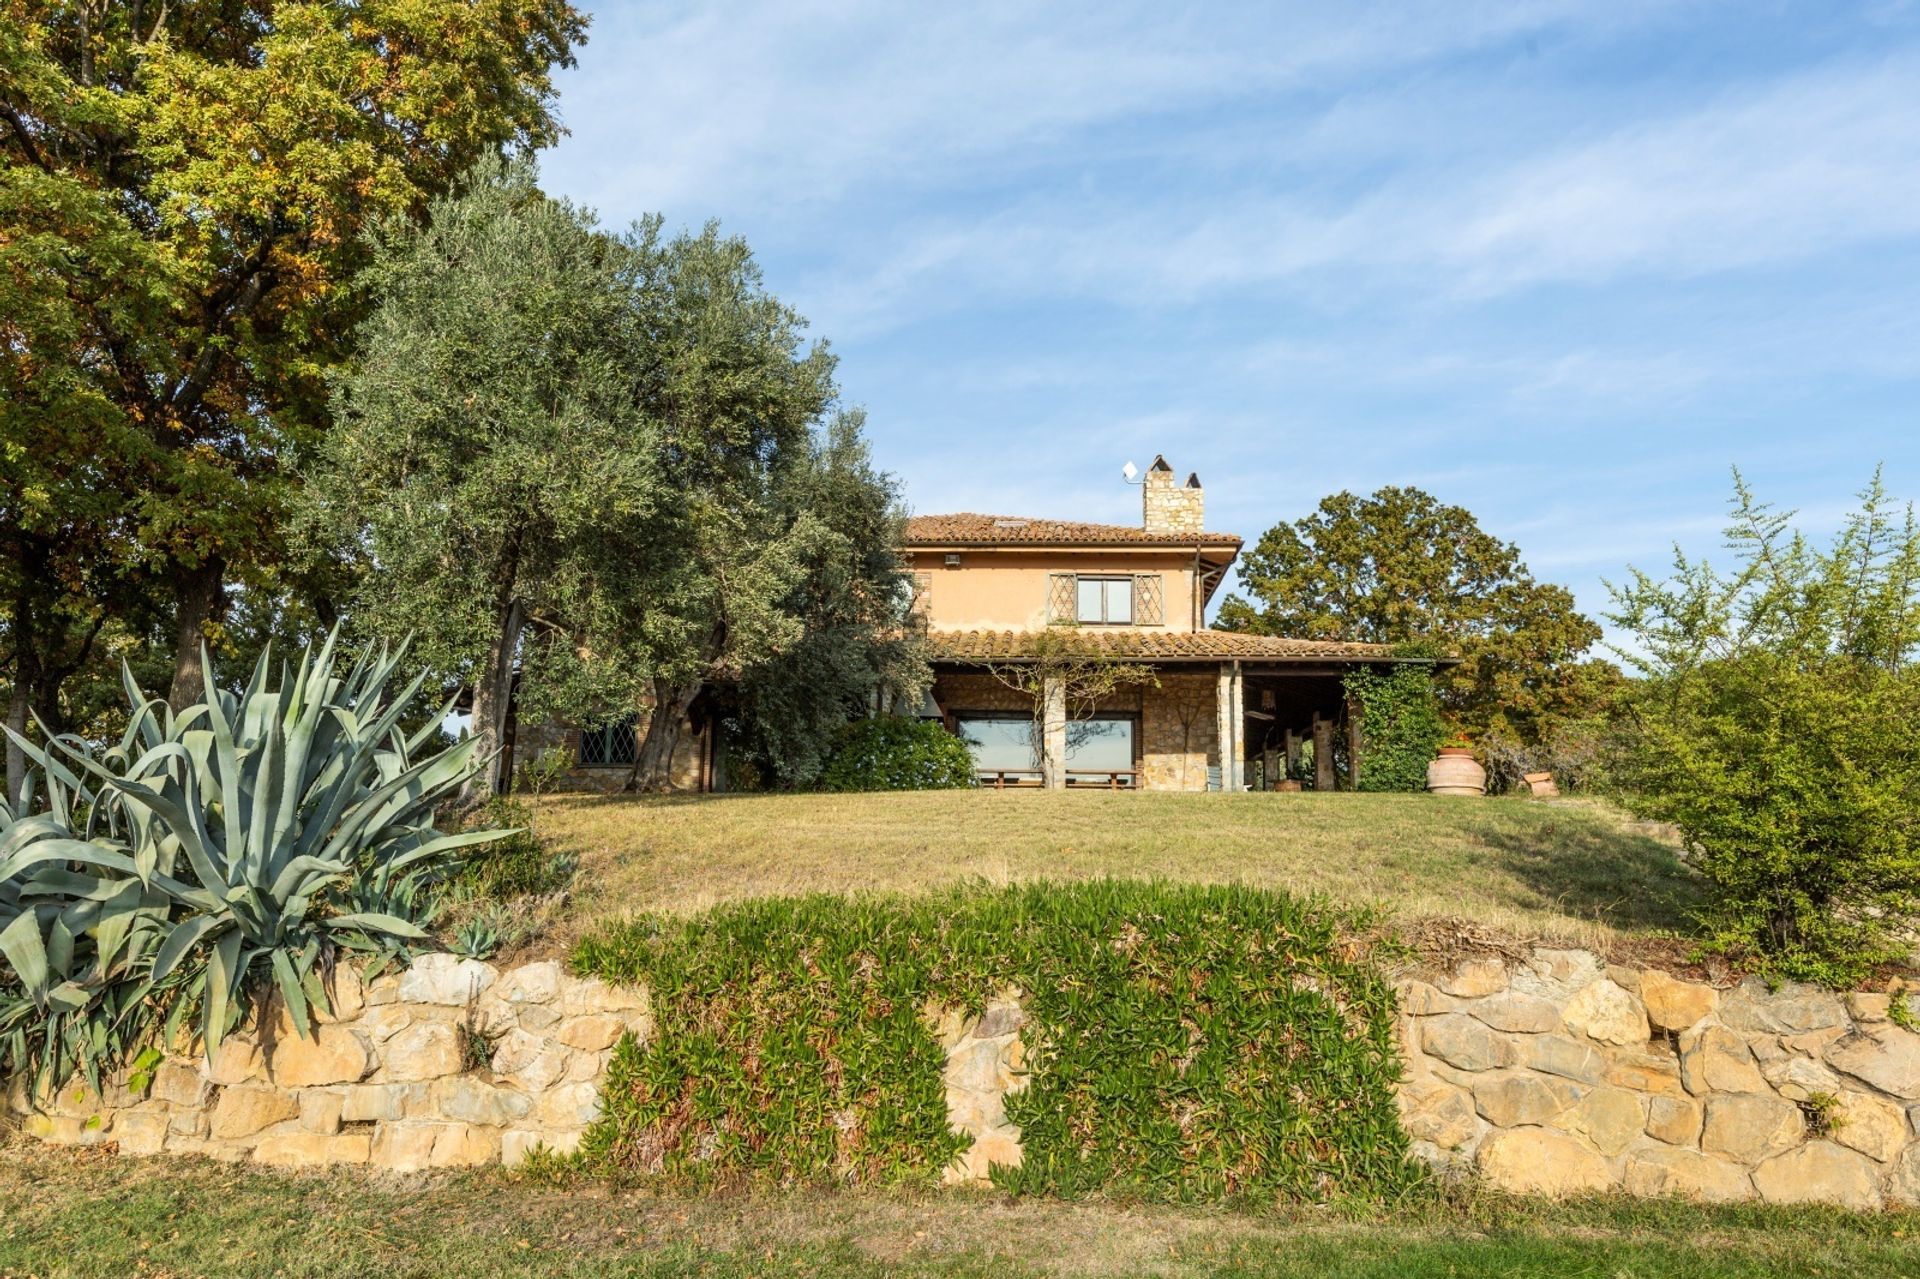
(1573, 871)
(74, 1215)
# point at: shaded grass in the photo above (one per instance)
(1573, 871)
(66, 1214)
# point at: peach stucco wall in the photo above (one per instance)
(1001, 590)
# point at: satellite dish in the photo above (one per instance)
(1130, 471)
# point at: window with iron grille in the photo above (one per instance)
(1148, 610)
(1092, 600)
(615, 742)
(1060, 598)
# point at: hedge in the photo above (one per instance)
(1184, 1042)
(895, 753)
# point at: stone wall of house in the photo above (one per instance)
(1558, 1073)
(533, 740)
(451, 1063)
(1179, 731)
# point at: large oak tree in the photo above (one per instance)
(1400, 567)
(183, 190)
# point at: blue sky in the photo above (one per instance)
(1562, 262)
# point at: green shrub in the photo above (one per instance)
(1399, 725)
(1185, 1042)
(242, 845)
(896, 753)
(1775, 728)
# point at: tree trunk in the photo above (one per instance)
(16, 758)
(653, 762)
(492, 695)
(199, 599)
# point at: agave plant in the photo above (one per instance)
(233, 849)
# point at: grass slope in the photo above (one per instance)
(75, 1215)
(1578, 872)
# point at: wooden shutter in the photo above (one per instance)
(1148, 609)
(1063, 598)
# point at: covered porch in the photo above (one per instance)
(1221, 711)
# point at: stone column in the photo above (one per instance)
(1230, 725)
(1053, 733)
(1322, 753)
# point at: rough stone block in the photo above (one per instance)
(1683, 1174)
(1885, 1056)
(424, 1050)
(1714, 1059)
(1654, 1073)
(465, 1146)
(1557, 974)
(1608, 1013)
(1674, 1120)
(995, 1146)
(1513, 1011)
(446, 979)
(1673, 1004)
(1432, 1112)
(243, 1111)
(238, 1060)
(1612, 1119)
(1002, 1017)
(335, 1055)
(474, 1101)
(1875, 1128)
(1750, 1127)
(1793, 1008)
(1819, 1172)
(530, 984)
(568, 1106)
(591, 995)
(1509, 1098)
(320, 1111)
(534, 1062)
(1569, 1058)
(1800, 1078)
(1418, 999)
(404, 1147)
(140, 1132)
(385, 1021)
(364, 1103)
(1465, 1043)
(974, 1065)
(1539, 1161)
(180, 1084)
(1472, 978)
(312, 1149)
(1903, 1183)
(593, 1033)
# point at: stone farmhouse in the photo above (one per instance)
(1221, 711)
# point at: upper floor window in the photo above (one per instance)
(1088, 599)
(1104, 601)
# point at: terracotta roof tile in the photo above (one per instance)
(969, 529)
(1140, 644)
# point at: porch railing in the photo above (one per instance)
(1077, 778)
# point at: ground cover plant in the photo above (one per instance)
(75, 1215)
(151, 892)
(1577, 872)
(1183, 1042)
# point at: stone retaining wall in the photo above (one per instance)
(1559, 1074)
(1553, 1074)
(450, 1063)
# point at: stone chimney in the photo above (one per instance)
(1171, 508)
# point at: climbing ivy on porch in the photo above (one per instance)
(1399, 725)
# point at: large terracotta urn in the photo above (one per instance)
(1456, 772)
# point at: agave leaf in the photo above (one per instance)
(184, 937)
(374, 921)
(223, 972)
(20, 943)
(289, 983)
